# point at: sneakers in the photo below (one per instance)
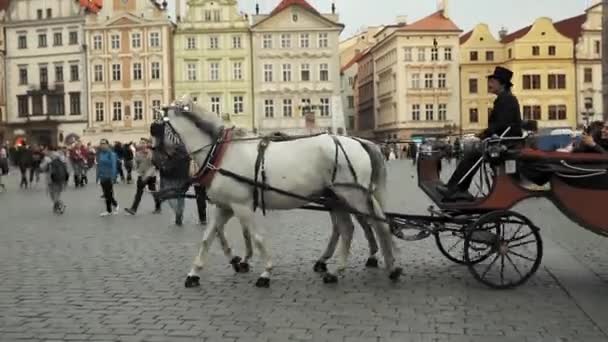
(105, 214)
(116, 208)
(130, 211)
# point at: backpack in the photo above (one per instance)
(58, 171)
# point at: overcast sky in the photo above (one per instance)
(513, 14)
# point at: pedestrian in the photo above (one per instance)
(78, 160)
(24, 161)
(119, 152)
(3, 166)
(37, 156)
(54, 164)
(174, 175)
(146, 177)
(106, 175)
(128, 157)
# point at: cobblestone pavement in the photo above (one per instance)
(81, 277)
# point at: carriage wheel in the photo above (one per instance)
(483, 181)
(512, 245)
(451, 245)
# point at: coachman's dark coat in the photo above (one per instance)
(506, 113)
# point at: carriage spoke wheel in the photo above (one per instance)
(483, 181)
(451, 245)
(512, 247)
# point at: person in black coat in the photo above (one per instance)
(505, 119)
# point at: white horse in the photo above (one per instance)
(308, 167)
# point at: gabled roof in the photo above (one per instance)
(352, 61)
(465, 37)
(288, 3)
(434, 22)
(572, 27)
(516, 35)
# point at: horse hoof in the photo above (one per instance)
(395, 274)
(235, 263)
(320, 267)
(192, 281)
(263, 282)
(329, 278)
(243, 267)
(372, 263)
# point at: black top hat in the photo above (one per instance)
(503, 75)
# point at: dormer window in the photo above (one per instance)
(294, 17)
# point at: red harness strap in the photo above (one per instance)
(208, 172)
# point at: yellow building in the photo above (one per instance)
(480, 53)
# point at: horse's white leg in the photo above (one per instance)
(385, 238)
(346, 231)
(218, 220)
(321, 264)
(247, 219)
(372, 261)
(237, 263)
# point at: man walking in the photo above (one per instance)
(55, 165)
(107, 171)
(174, 174)
(146, 176)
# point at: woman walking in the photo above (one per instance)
(106, 175)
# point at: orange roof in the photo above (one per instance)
(571, 27)
(434, 22)
(352, 61)
(288, 3)
(93, 6)
(465, 37)
(516, 35)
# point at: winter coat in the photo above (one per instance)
(106, 165)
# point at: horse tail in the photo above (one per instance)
(379, 172)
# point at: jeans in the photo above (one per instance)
(177, 204)
(107, 186)
(141, 185)
(129, 168)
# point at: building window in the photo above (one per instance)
(267, 72)
(324, 72)
(74, 74)
(441, 81)
(214, 42)
(473, 56)
(23, 105)
(73, 37)
(237, 71)
(155, 39)
(598, 47)
(269, 108)
(207, 15)
(305, 72)
(304, 40)
(42, 40)
(138, 110)
(116, 111)
(407, 54)
(39, 14)
(443, 112)
(557, 81)
(116, 72)
(473, 86)
(287, 108)
(191, 71)
(75, 103)
(557, 112)
(157, 113)
(115, 42)
(429, 111)
(285, 41)
(237, 104)
(217, 15)
(305, 106)
(99, 112)
(428, 81)
(351, 102)
(214, 71)
(155, 70)
(415, 81)
(325, 106)
(531, 81)
(447, 54)
(23, 75)
(536, 50)
(44, 76)
(552, 50)
(98, 73)
(190, 43)
(532, 113)
(473, 115)
(59, 73)
(49, 12)
(136, 40)
(97, 45)
(267, 41)
(490, 56)
(588, 102)
(286, 72)
(588, 75)
(137, 72)
(216, 105)
(323, 40)
(22, 42)
(236, 42)
(434, 54)
(57, 39)
(416, 112)
(54, 105)
(421, 54)
(510, 53)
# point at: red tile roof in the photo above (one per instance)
(4, 5)
(434, 22)
(465, 37)
(352, 61)
(288, 3)
(92, 6)
(572, 27)
(516, 35)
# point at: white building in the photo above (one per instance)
(45, 68)
(297, 74)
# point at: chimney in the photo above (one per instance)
(333, 7)
(442, 6)
(401, 20)
(503, 33)
(257, 8)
